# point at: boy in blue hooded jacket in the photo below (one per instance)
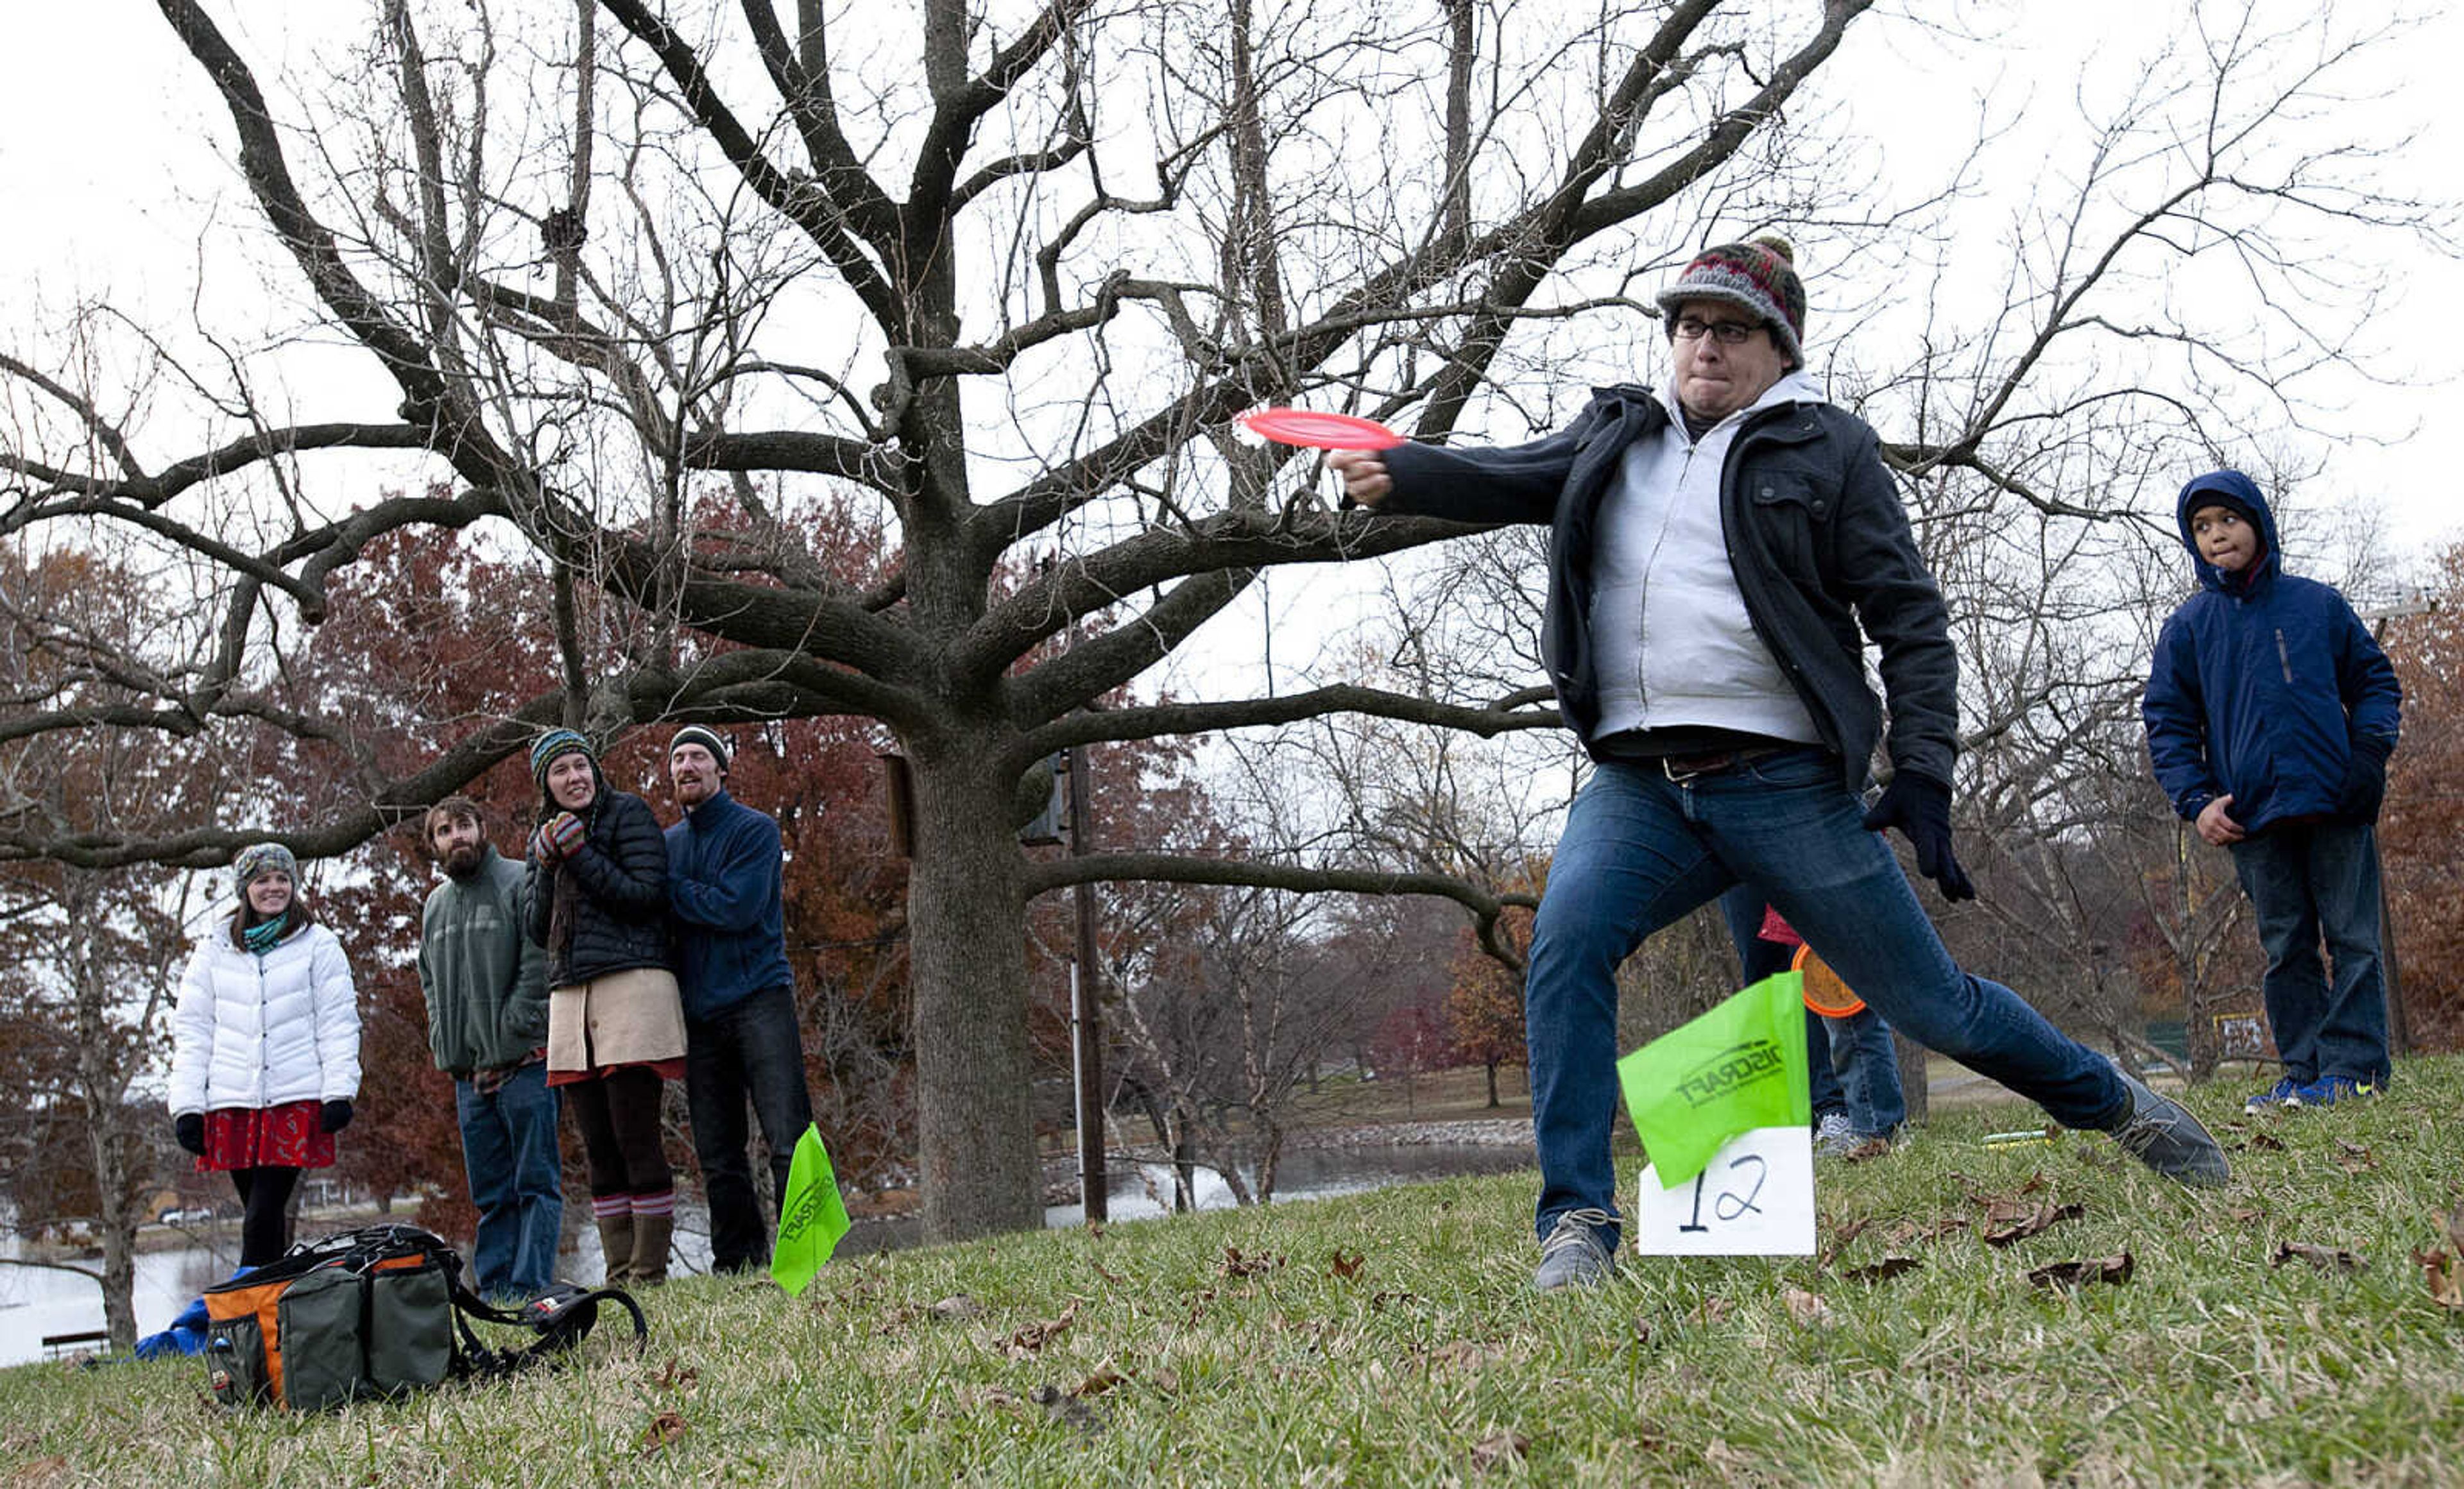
(2270, 715)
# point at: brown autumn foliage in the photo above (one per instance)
(2424, 817)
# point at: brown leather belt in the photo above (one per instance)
(1682, 768)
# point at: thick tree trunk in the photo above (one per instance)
(967, 948)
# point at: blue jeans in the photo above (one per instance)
(2305, 880)
(509, 1151)
(1851, 1065)
(1640, 851)
(749, 1048)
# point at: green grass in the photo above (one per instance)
(1434, 1362)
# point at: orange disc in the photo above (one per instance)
(1824, 993)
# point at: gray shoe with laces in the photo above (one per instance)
(2161, 1134)
(1573, 1255)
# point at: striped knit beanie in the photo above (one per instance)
(704, 737)
(1757, 277)
(550, 745)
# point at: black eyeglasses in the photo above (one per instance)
(1727, 332)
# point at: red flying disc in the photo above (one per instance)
(1307, 427)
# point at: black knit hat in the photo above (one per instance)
(706, 737)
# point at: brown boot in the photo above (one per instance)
(650, 1236)
(616, 1245)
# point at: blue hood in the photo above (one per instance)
(2239, 490)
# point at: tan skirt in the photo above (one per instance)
(632, 1018)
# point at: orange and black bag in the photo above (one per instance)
(373, 1312)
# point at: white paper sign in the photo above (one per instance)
(1754, 1199)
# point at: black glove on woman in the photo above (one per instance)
(189, 1128)
(337, 1116)
(1920, 808)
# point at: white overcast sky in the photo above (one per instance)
(111, 173)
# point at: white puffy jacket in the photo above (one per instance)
(259, 1031)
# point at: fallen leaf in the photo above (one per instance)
(2035, 1183)
(1115, 1280)
(2245, 1214)
(1347, 1265)
(1164, 1378)
(1498, 1448)
(2445, 1279)
(2034, 1222)
(958, 1305)
(2115, 1268)
(2456, 1227)
(1643, 1330)
(1882, 1271)
(2327, 1258)
(664, 1429)
(1867, 1150)
(1807, 1308)
(996, 1396)
(1103, 1380)
(674, 1376)
(1464, 1354)
(1067, 1410)
(1380, 1302)
(2266, 1143)
(39, 1471)
(1235, 1264)
(1035, 1336)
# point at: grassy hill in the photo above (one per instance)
(2277, 1331)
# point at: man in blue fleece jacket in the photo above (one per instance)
(2270, 715)
(741, 1041)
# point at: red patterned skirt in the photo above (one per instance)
(290, 1136)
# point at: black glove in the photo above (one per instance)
(1920, 808)
(189, 1128)
(337, 1116)
(2365, 785)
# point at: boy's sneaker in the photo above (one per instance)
(2328, 1090)
(2159, 1132)
(1573, 1255)
(2286, 1093)
(1835, 1137)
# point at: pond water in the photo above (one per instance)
(36, 1302)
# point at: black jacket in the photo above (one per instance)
(1816, 539)
(620, 918)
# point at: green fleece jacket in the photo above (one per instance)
(484, 982)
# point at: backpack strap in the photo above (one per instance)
(556, 1332)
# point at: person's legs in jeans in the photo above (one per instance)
(1867, 1064)
(488, 1164)
(1627, 865)
(1785, 825)
(2344, 871)
(2273, 869)
(1756, 959)
(715, 1099)
(772, 1048)
(526, 1113)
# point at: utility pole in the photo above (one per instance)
(1085, 1013)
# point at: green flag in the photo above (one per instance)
(1738, 1067)
(813, 1217)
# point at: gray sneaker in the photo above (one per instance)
(1834, 1137)
(2161, 1134)
(1573, 1256)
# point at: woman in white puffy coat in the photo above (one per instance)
(265, 1048)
